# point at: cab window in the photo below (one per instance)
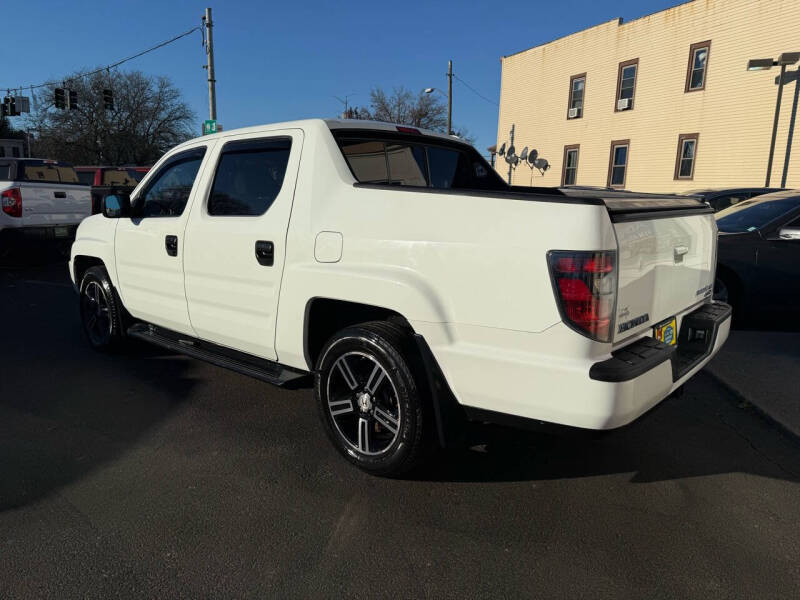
(168, 191)
(249, 177)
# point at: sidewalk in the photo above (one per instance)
(764, 368)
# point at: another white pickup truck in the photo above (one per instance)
(419, 289)
(40, 201)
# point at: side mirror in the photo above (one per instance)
(789, 233)
(116, 206)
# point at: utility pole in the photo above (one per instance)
(511, 145)
(449, 97)
(212, 82)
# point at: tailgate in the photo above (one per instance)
(49, 204)
(667, 251)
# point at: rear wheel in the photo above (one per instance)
(101, 311)
(368, 398)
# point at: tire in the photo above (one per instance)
(102, 315)
(369, 400)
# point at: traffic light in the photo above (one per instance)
(60, 99)
(108, 99)
(72, 100)
(9, 107)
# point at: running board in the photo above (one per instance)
(265, 370)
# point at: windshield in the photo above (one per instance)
(755, 213)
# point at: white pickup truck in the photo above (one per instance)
(40, 201)
(419, 289)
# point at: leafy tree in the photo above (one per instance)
(149, 117)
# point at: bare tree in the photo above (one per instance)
(149, 117)
(405, 108)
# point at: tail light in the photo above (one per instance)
(11, 202)
(585, 285)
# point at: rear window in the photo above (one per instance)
(118, 177)
(47, 173)
(418, 164)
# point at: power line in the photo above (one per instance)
(474, 91)
(110, 66)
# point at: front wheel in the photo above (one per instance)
(101, 311)
(368, 398)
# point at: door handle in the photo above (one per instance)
(171, 244)
(60, 194)
(265, 253)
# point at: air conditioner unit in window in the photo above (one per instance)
(623, 104)
(574, 113)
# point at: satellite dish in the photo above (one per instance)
(532, 156)
(524, 154)
(541, 163)
(512, 150)
(502, 150)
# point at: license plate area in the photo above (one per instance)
(667, 331)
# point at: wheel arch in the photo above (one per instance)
(325, 316)
(82, 263)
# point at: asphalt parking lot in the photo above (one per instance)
(153, 475)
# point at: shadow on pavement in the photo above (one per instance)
(689, 436)
(57, 422)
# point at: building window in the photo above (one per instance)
(687, 152)
(15, 151)
(618, 163)
(569, 169)
(698, 65)
(626, 84)
(577, 87)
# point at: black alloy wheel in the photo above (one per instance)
(368, 397)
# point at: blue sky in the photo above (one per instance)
(282, 60)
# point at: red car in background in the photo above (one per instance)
(104, 180)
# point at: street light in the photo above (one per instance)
(764, 64)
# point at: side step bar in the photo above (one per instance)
(265, 370)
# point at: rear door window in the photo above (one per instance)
(249, 177)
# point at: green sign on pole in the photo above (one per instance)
(209, 126)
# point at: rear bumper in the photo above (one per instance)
(696, 339)
(555, 377)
